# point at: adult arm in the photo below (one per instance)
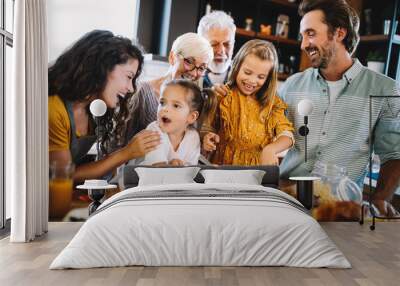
(142, 143)
(388, 182)
(387, 146)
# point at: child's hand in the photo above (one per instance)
(176, 162)
(269, 157)
(220, 89)
(210, 141)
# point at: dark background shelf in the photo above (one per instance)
(185, 16)
(374, 38)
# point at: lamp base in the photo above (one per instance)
(304, 190)
(96, 195)
(303, 130)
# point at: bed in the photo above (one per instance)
(201, 224)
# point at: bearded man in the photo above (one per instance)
(339, 87)
(219, 29)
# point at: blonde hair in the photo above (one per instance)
(193, 45)
(264, 51)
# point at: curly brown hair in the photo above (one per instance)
(81, 72)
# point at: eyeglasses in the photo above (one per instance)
(189, 65)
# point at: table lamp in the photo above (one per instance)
(305, 108)
(98, 108)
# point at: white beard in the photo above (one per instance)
(220, 67)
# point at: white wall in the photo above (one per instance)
(153, 68)
(68, 20)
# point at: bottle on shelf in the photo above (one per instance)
(208, 8)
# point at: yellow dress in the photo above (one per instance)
(245, 128)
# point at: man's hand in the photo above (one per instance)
(388, 181)
(385, 208)
(142, 143)
(210, 141)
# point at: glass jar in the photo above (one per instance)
(335, 179)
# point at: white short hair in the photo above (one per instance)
(216, 19)
(193, 45)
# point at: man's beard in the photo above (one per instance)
(325, 54)
(324, 57)
(220, 68)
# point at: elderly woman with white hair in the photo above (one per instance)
(189, 58)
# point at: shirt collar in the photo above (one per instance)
(349, 75)
(207, 77)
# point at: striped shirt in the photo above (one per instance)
(339, 129)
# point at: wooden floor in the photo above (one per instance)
(374, 255)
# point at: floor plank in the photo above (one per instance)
(374, 255)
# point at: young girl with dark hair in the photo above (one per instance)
(180, 108)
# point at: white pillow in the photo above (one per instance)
(164, 176)
(248, 177)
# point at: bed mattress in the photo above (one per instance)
(201, 225)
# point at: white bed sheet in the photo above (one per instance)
(191, 231)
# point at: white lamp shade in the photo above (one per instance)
(305, 107)
(98, 107)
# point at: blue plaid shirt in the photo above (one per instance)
(339, 130)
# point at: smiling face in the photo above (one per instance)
(318, 43)
(222, 42)
(186, 67)
(174, 114)
(252, 74)
(119, 82)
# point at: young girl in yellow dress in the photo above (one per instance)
(248, 124)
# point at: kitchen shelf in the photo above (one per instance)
(271, 38)
(285, 3)
(278, 39)
(245, 33)
(374, 38)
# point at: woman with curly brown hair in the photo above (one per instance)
(103, 66)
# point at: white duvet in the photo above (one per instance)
(185, 230)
